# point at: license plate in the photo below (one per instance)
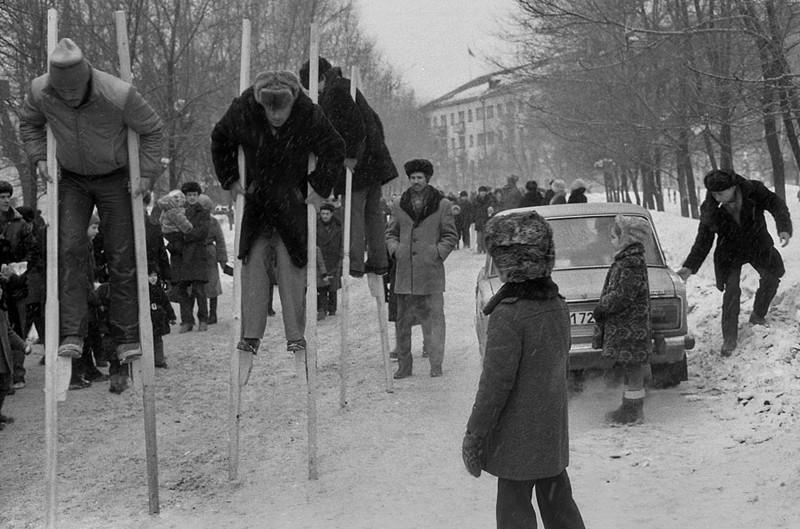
(581, 318)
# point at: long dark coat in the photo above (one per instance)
(480, 210)
(748, 242)
(622, 315)
(520, 409)
(420, 244)
(189, 260)
(329, 242)
(277, 167)
(577, 196)
(362, 131)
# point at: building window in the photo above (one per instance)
(443, 120)
(510, 107)
(499, 109)
(499, 136)
(461, 142)
(481, 139)
(479, 113)
(452, 118)
(469, 115)
(461, 117)
(490, 138)
(489, 112)
(471, 140)
(434, 121)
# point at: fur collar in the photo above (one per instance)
(539, 288)
(429, 208)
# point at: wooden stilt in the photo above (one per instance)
(52, 312)
(241, 361)
(143, 368)
(375, 283)
(311, 284)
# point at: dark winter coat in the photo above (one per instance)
(520, 409)
(531, 198)
(329, 242)
(748, 242)
(189, 259)
(17, 240)
(216, 254)
(161, 312)
(622, 315)
(577, 196)
(512, 196)
(480, 210)
(466, 216)
(277, 168)
(362, 131)
(157, 257)
(421, 243)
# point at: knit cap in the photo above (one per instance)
(68, 67)
(521, 245)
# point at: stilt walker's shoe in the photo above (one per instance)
(128, 352)
(630, 412)
(728, 347)
(71, 347)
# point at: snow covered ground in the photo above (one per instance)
(721, 450)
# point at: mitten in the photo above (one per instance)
(472, 453)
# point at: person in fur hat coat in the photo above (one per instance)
(278, 127)
(622, 315)
(518, 428)
(733, 214)
(421, 235)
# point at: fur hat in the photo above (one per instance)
(521, 245)
(6, 187)
(205, 202)
(719, 180)
(577, 184)
(419, 165)
(631, 229)
(327, 206)
(191, 187)
(483, 189)
(558, 185)
(324, 65)
(276, 89)
(531, 185)
(68, 68)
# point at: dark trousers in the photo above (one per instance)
(553, 495)
(481, 245)
(769, 280)
(192, 293)
(427, 310)
(367, 231)
(463, 232)
(77, 196)
(5, 386)
(326, 300)
(158, 351)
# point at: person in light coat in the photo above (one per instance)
(421, 235)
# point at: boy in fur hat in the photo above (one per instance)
(733, 214)
(278, 126)
(421, 235)
(518, 429)
(90, 112)
(622, 315)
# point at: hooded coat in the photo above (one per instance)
(277, 167)
(737, 243)
(622, 315)
(420, 244)
(520, 409)
(362, 131)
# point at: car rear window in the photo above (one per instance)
(584, 242)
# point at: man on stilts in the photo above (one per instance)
(278, 126)
(90, 112)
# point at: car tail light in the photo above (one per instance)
(665, 313)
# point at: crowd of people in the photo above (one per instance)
(405, 241)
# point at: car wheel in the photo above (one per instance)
(669, 375)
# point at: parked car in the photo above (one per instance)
(583, 257)
(221, 210)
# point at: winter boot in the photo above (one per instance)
(212, 311)
(118, 384)
(403, 367)
(185, 327)
(202, 326)
(728, 346)
(631, 412)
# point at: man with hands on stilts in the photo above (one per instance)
(89, 113)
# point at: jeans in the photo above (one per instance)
(367, 231)
(256, 289)
(553, 495)
(428, 311)
(77, 196)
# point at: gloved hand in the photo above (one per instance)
(472, 453)
(227, 269)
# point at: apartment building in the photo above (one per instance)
(479, 132)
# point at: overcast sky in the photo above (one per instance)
(427, 40)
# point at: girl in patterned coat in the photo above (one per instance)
(622, 315)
